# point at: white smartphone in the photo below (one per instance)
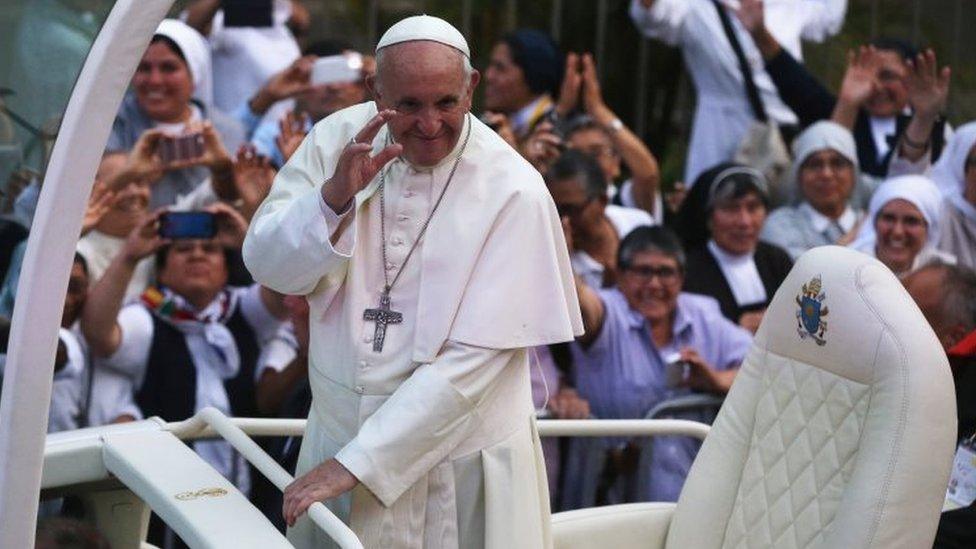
(334, 69)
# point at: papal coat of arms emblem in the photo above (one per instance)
(811, 312)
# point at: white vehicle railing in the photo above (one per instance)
(226, 428)
(83, 448)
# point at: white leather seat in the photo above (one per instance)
(841, 444)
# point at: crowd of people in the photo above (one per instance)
(671, 287)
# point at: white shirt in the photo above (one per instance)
(627, 199)
(69, 391)
(723, 115)
(821, 223)
(742, 275)
(244, 58)
(119, 377)
(881, 130)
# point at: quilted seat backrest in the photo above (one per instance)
(840, 428)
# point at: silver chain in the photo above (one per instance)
(386, 277)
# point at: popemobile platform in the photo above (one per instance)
(837, 433)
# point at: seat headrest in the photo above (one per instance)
(832, 310)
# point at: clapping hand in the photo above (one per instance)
(356, 168)
(593, 102)
(928, 87)
(569, 92)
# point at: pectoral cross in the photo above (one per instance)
(382, 316)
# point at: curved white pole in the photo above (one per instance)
(50, 248)
(273, 471)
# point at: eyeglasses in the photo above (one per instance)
(835, 163)
(572, 210)
(646, 273)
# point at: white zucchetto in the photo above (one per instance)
(424, 27)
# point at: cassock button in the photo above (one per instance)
(360, 389)
(390, 266)
(397, 241)
(408, 194)
(402, 217)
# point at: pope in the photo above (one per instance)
(432, 257)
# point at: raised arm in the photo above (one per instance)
(797, 87)
(200, 14)
(643, 167)
(661, 19)
(591, 307)
(301, 231)
(928, 90)
(860, 81)
(99, 321)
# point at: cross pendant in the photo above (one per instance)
(382, 316)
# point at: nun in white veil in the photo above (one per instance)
(903, 224)
(955, 175)
(172, 90)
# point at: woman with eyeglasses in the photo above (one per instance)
(825, 170)
(646, 341)
(955, 175)
(720, 222)
(903, 225)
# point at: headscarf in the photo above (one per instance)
(819, 136)
(541, 62)
(920, 191)
(195, 50)
(691, 221)
(949, 173)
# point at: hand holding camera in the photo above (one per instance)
(144, 239)
(198, 146)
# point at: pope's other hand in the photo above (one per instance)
(330, 479)
(356, 168)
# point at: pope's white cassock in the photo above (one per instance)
(439, 425)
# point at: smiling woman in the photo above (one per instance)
(172, 91)
(904, 224)
(721, 221)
